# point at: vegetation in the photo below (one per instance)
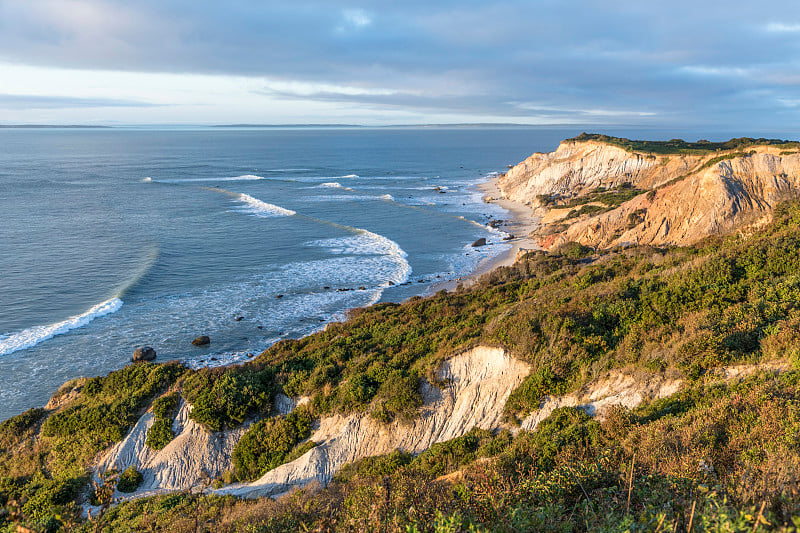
(164, 410)
(572, 315)
(129, 480)
(224, 397)
(269, 442)
(44, 465)
(611, 198)
(719, 457)
(587, 203)
(679, 146)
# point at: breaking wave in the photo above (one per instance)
(30, 337)
(258, 208)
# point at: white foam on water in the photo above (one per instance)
(223, 359)
(259, 208)
(364, 242)
(386, 197)
(340, 198)
(30, 337)
(331, 184)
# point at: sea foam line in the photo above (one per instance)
(259, 208)
(30, 337)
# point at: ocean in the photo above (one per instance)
(115, 238)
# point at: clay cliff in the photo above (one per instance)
(604, 195)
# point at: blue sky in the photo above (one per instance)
(700, 64)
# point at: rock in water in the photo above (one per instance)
(143, 353)
(202, 340)
(479, 242)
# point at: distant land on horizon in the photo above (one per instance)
(312, 125)
(40, 126)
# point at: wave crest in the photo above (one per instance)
(365, 242)
(262, 209)
(30, 337)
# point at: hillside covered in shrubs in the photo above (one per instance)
(718, 455)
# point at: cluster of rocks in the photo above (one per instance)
(148, 353)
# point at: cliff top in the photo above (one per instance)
(679, 146)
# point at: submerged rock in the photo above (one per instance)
(143, 353)
(202, 340)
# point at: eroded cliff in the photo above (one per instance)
(671, 199)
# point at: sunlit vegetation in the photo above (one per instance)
(717, 457)
(679, 146)
(164, 410)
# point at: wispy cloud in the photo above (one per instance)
(27, 101)
(780, 27)
(357, 17)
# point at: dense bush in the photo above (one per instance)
(102, 413)
(18, 427)
(268, 443)
(129, 480)
(164, 410)
(224, 397)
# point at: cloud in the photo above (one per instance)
(779, 27)
(576, 60)
(357, 17)
(27, 101)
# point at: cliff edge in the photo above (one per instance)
(603, 191)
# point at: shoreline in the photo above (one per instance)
(521, 222)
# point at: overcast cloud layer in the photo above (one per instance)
(720, 64)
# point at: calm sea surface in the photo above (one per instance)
(112, 238)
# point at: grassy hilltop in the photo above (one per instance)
(719, 454)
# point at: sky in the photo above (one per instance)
(701, 63)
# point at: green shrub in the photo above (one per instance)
(110, 405)
(528, 396)
(225, 397)
(397, 397)
(566, 428)
(445, 457)
(268, 443)
(377, 466)
(164, 410)
(129, 480)
(18, 427)
(573, 250)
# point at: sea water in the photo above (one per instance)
(115, 238)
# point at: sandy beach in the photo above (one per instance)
(521, 221)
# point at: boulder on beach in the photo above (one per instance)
(143, 353)
(202, 340)
(479, 242)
